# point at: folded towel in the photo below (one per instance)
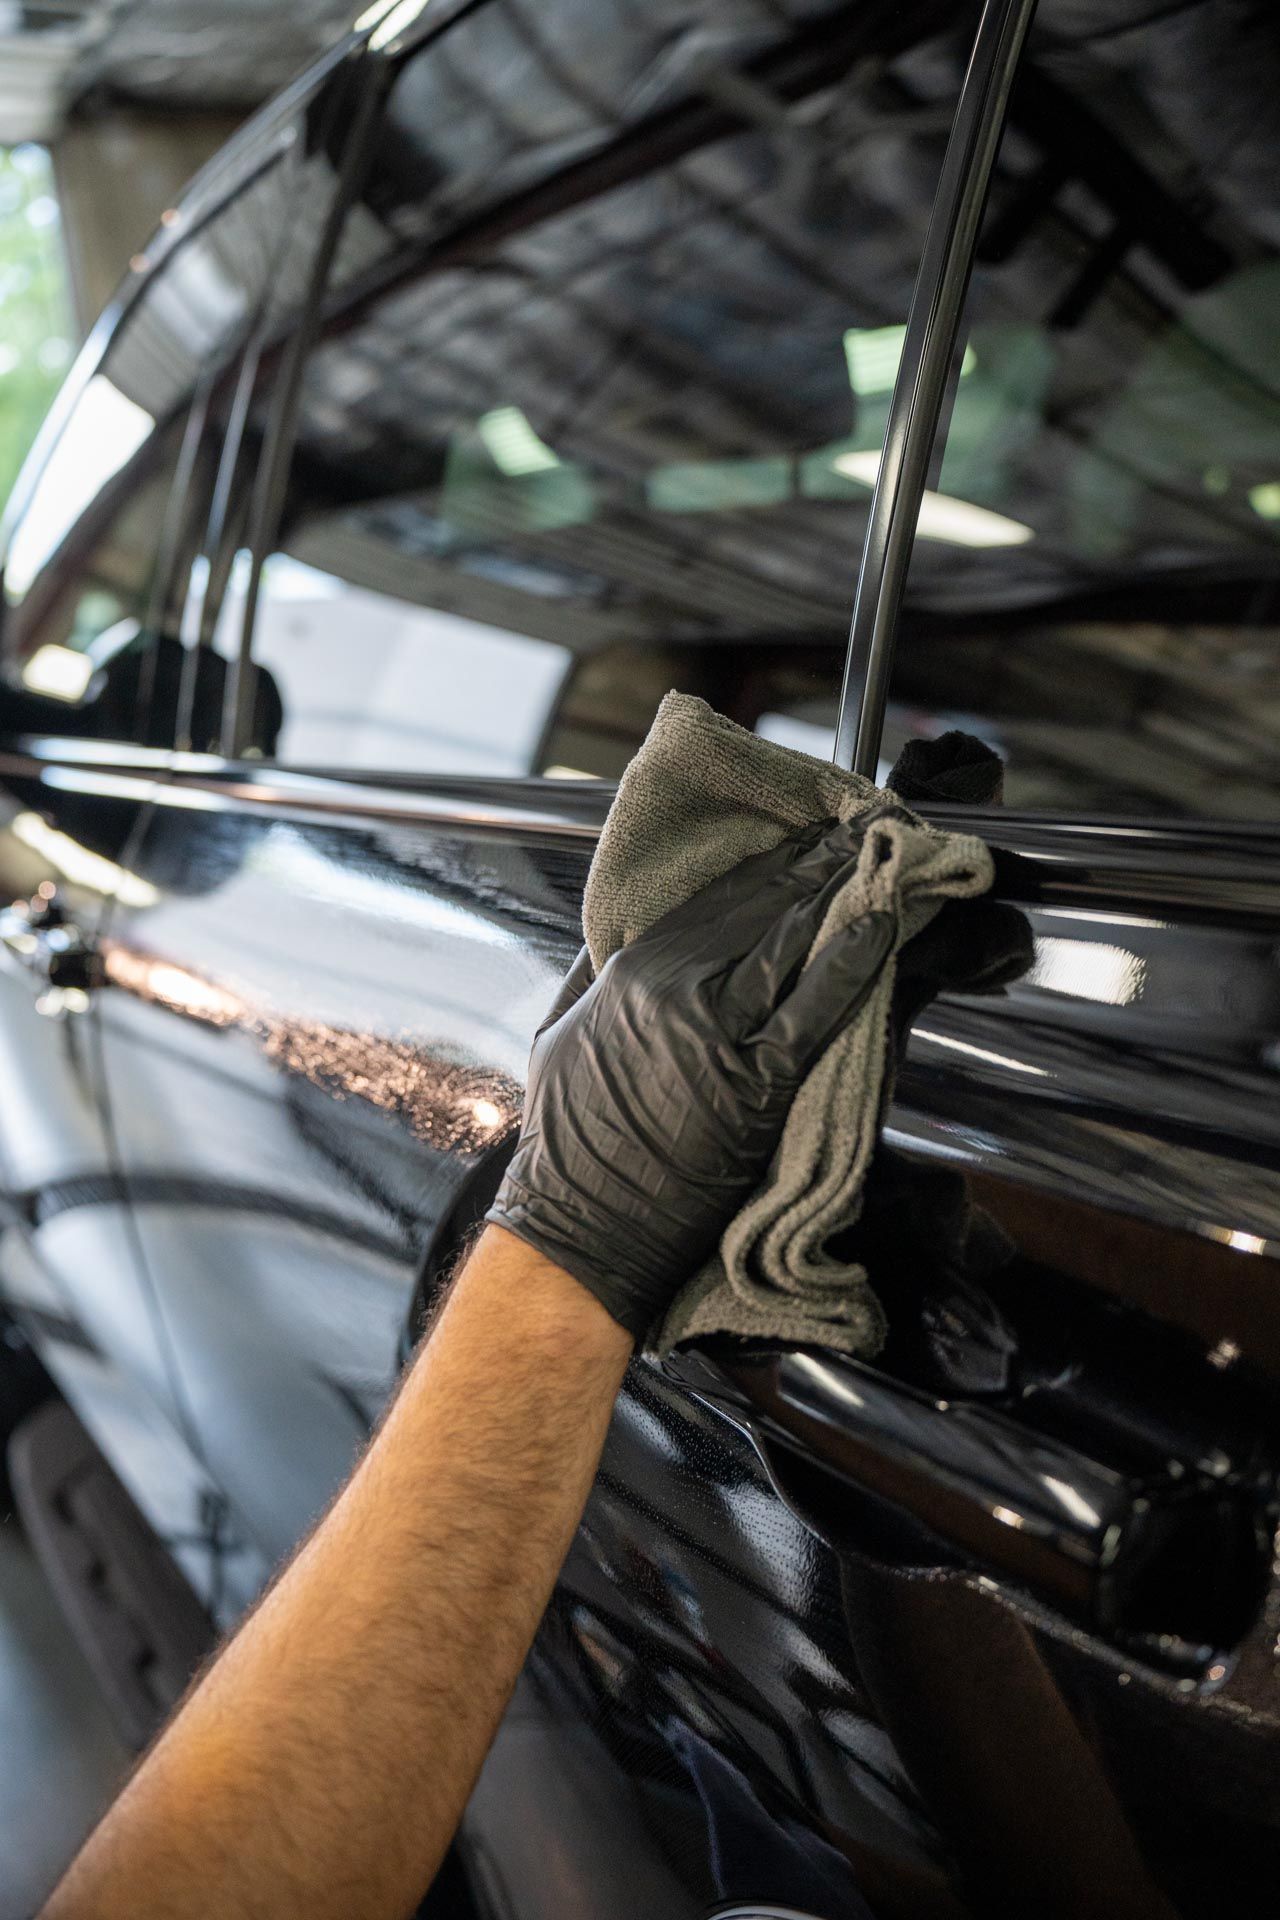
(701, 795)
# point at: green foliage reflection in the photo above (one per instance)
(35, 324)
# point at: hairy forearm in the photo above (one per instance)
(321, 1766)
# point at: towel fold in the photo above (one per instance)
(701, 795)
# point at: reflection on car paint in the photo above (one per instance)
(454, 1106)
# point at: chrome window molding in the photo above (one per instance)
(1226, 865)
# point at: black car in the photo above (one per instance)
(519, 364)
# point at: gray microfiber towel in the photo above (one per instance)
(701, 795)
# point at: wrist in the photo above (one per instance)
(580, 1239)
(537, 1298)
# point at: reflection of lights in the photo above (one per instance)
(101, 785)
(79, 865)
(440, 1100)
(401, 16)
(942, 516)
(60, 673)
(58, 1000)
(1246, 1242)
(291, 858)
(113, 640)
(829, 1382)
(372, 15)
(437, 1097)
(1224, 1355)
(1098, 916)
(1007, 1517)
(1088, 970)
(980, 1053)
(873, 353)
(102, 435)
(1265, 500)
(512, 444)
(188, 993)
(171, 986)
(1073, 1502)
(711, 486)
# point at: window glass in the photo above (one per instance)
(93, 642)
(100, 554)
(598, 444)
(35, 335)
(1094, 586)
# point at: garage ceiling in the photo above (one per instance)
(222, 54)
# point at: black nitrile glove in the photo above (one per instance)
(970, 946)
(955, 767)
(657, 1096)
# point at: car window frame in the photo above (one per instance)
(211, 194)
(929, 348)
(929, 355)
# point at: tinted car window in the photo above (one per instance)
(1094, 588)
(97, 564)
(95, 638)
(590, 448)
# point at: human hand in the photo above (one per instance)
(658, 1093)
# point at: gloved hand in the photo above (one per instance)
(923, 1243)
(657, 1096)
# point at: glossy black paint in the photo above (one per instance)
(710, 1588)
(807, 1656)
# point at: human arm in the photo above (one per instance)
(321, 1766)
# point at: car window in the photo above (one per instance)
(592, 446)
(99, 561)
(290, 228)
(95, 636)
(1094, 588)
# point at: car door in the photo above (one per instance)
(105, 661)
(90, 633)
(528, 492)
(975, 1629)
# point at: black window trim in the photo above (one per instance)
(251, 152)
(370, 82)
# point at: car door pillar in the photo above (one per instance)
(933, 326)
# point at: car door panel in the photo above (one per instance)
(719, 1658)
(1069, 1812)
(310, 1083)
(373, 1068)
(110, 514)
(68, 1262)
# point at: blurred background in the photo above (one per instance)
(107, 108)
